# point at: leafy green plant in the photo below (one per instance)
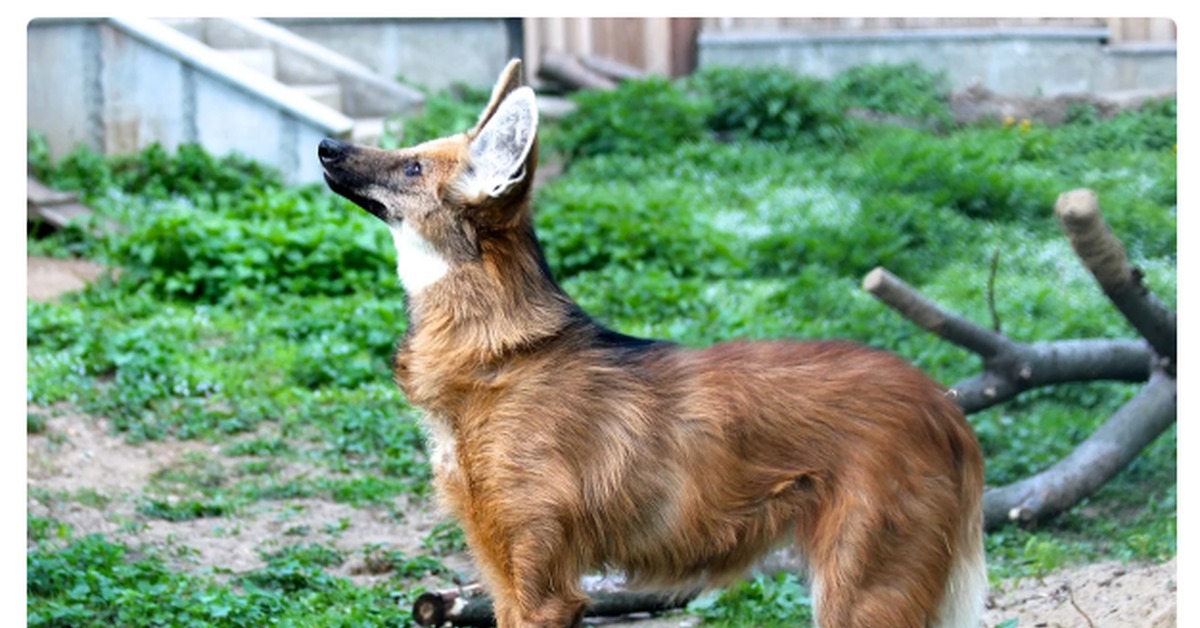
(290, 242)
(1151, 127)
(903, 89)
(988, 173)
(445, 538)
(445, 112)
(306, 553)
(186, 509)
(35, 423)
(770, 104)
(190, 172)
(640, 117)
(761, 601)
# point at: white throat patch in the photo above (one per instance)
(418, 264)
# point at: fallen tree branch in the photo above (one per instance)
(1029, 366)
(1011, 367)
(927, 315)
(1079, 213)
(567, 70)
(611, 69)
(472, 606)
(1093, 463)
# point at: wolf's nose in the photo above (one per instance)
(330, 150)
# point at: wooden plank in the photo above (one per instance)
(684, 50)
(580, 29)
(57, 208)
(42, 194)
(626, 40)
(656, 45)
(531, 44)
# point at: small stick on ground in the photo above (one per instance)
(1071, 599)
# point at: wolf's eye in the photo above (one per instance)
(412, 169)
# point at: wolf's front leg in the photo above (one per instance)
(536, 585)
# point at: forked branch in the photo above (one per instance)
(1010, 367)
(1092, 464)
(1104, 257)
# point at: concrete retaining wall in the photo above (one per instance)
(432, 53)
(1008, 61)
(118, 85)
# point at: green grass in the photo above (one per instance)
(94, 582)
(261, 318)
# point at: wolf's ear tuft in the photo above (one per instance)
(499, 150)
(508, 81)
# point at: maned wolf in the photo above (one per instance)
(562, 446)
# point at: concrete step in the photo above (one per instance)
(370, 131)
(261, 60)
(58, 209)
(191, 26)
(328, 94)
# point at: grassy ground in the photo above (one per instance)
(258, 319)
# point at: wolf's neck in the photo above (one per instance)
(505, 300)
(418, 264)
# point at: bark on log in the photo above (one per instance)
(1011, 367)
(567, 70)
(611, 69)
(1104, 257)
(471, 606)
(1031, 366)
(1092, 464)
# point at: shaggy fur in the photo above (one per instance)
(563, 447)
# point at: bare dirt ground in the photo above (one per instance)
(79, 472)
(48, 277)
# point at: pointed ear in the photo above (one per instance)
(499, 151)
(509, 81)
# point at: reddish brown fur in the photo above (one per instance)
(579, 449)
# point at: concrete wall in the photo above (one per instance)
(118, 85)
(1008, 61)
(432, 53)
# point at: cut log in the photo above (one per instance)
(472, 606)
(1092, 464)
(1104, 257)
(568, 71)
(611, 69)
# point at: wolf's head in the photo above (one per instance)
(442, 197)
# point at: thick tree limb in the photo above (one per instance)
(1028, 366)
(1103, 255)
(567, 70)
(471, 606)
(916, 308)
(1011, 367)
(611, 68)
(1093, 463)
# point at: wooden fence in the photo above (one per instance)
(667, 46)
